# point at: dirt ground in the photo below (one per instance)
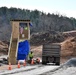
(37, 50)
(67, 51)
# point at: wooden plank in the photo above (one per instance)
(15, 30)
(12, 60)
(13, 51)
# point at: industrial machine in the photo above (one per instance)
(51, 53)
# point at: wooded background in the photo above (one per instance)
(41, 21)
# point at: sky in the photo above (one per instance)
(63, 7)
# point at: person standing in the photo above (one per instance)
(31, 56)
